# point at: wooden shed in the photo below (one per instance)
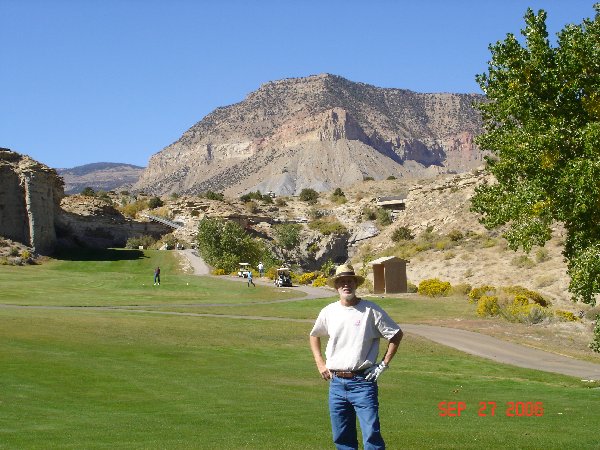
(389, 275)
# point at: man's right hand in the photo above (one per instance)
(325, 373)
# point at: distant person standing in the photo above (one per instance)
(250, 279)
(261, 269)
(157, 276)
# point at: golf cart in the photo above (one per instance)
(243, 270)
(283, 277)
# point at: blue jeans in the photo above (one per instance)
(349, 398)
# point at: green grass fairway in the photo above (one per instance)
(120, 277)
(82, 378)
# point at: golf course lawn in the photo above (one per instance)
(85, 378)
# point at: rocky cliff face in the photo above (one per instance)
(93, 223)
(30, 195)
(321, 132)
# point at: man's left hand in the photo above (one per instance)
(373, 372)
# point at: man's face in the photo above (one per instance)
(346, 287)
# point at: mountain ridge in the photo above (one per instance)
(265, 141)
(100, 176)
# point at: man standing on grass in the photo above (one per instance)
(250, 279)
(157, 276)
(354, 327)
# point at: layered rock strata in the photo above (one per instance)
(30, 195)
(319, 132)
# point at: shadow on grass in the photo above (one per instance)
(109, 254)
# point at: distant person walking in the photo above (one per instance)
(157, 276)
(261, 269)
(250, 279)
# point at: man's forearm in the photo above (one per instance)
(392, 348)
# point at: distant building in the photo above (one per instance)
(389, 275)
(393, 202)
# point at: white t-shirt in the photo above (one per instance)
(354, 333)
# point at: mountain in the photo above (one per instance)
(321, 132)
(102, 176)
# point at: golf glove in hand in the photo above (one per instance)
(373, 372)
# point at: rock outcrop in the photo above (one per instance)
(94, 223)
(320, 132)
(30, 195)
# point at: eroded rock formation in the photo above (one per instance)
(30, 195)
(319, 132)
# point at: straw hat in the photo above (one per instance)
(345, 270)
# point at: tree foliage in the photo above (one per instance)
(224, 244)
(542, 125)
(287, 235)
(309, 195)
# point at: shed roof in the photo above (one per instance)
(387, 259)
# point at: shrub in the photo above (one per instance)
(210, 195)
(368, 213)
(434, 287)
(316, 213)
(313, 248)
(368, 179)
(522, 262)
(384, 217)
(219, 272)
(444, 244)
(309, 195)
(88, 192)
(280, 201)
(320, 281)
(542, 255)
(252, 207)
(535, 297)
(132, 209)
(340, 200)
(529, 313)
(14, 251)
(25, 254)
(461, 289)
(402, 233)
(566, 316)
(155, 202)
(478, 292)
(327, 227)
(307, 277)
(412, 287)
(455, 235)
(391, 177)
(487, 305)
(145, 241)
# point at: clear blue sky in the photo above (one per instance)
(86, 81)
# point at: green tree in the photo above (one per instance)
(309, 195)
(155, 202)
(88, 192)
(223, 244)
(288, 235)
(542, 125)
